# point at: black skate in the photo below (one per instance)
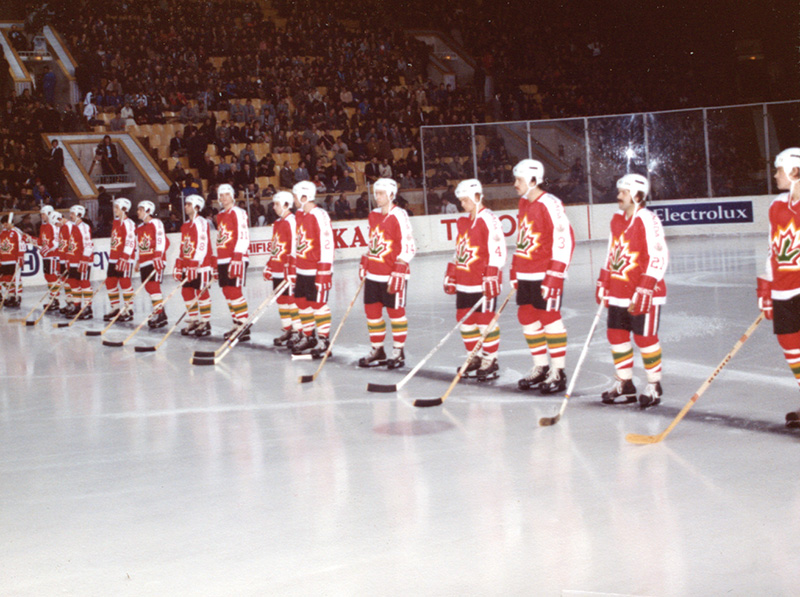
(555, 382)
(319, 350)
(397, 360)
(652, 395)
(87, 314)
(127, 315)
(471, 372)
(305, 345)
(190, 328)
(375, 358)
(70, 311)
(53, 308)
(284, 338)
(111, 315)
(537, 375)
(489, 369)
(296, 337)
(203, 329)
(622, 392)
(13, 302)
(793, 419)
(159, 320)
(244, 336)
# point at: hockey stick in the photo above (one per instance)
(46, 294)
(376, 387)
(61, 282)
(7, 292)
(425, 402)
(176, 324)
(146, 319)
(310, 378)
(79, 313)
(636, 438)
(229, 344)
(547, 421)
(121, 311)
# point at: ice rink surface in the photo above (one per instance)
(137, 474)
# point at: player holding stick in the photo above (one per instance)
(281, 253)
(151, 248)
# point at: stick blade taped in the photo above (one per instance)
(378, 387)
(427, 402)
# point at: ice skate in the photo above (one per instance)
(202, 329)
(111, 315)
(87, 313)
(284, 338)
(323, 342)
(471, 371)
(489, 369)
(397, 360)
(190, 327)
(622, 392)
(375, 358)
(244, 336)
(159, 320)
(127, 315)
(555, 382)
(537, 375)
(304, 346)
(793, 419)
(651, 396)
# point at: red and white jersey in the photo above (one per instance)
(123, 240)
(480, 244)
(783, 260)
(233, 234)
(283, 243)
(195, 243)
(390, 239)
(151, 241)
(12, 245)
(64, 234)
(314, 241)
(544, 234)
(80, 246)
(48, 241)
(636, 248)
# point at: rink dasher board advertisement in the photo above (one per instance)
(436, 233)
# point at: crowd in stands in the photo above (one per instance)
(335, 84)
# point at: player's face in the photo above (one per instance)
(382, 198)
(189, 208)
(117, 212)
(782, 179)
(226, 200)
(468, 204)
(520, 185)
(625, 200)
(141, 213)
(73, 216)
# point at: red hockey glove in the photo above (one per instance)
(177, 270)
(553, 285)
(323, 281)
(84, 266)
(512, 276)
(124, 267)
(21, 261)
(159, 265)
(267, 273)
(643, 296)
(398, 277)
(492, 281)
(450, 279)
(764, 293)
(190, 267)
(601, 292)
(236, 266)
(362, 267)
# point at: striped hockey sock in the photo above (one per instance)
(623, 359)
(399, 331)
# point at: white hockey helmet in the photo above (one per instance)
(196, 201)
(148, 206)
(528, 169)
(469, 188)
(283, 198)
(305, 188)
(55, 217)
(123, 203)
(386, 184)
(78, 210)
(46, 210)
(788, 159)
(634, 183)
(226, 189)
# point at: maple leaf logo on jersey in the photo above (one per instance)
(623, 260)
(116, 241)
(276, 248)
(145, 242)
(786, 248)
(303, 244)
(187, 247)
(465, 254)
(5, 246)
(527, 239)
(223, 235)
(378, 245)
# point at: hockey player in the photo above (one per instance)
(545, 241)
(778, 290)
(120, 262)
(386, 268)
(194, 263)
(48, 249)
(12, 255)
(79, 256)
(233, 245)
(313, 270)
(57, 221)
(151, 244)
(631, 284)
(281, 252)
(64, 236)
(475, 273)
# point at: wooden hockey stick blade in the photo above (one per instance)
(197, 361)
(547, 421)
(378, 387)
(16, 320)
(307, 378)
(92, 333)
(27, 323)
(61, 325)
(426, 402)
(110, 343)
(144, 348)
(204, 354)
(636, 438)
